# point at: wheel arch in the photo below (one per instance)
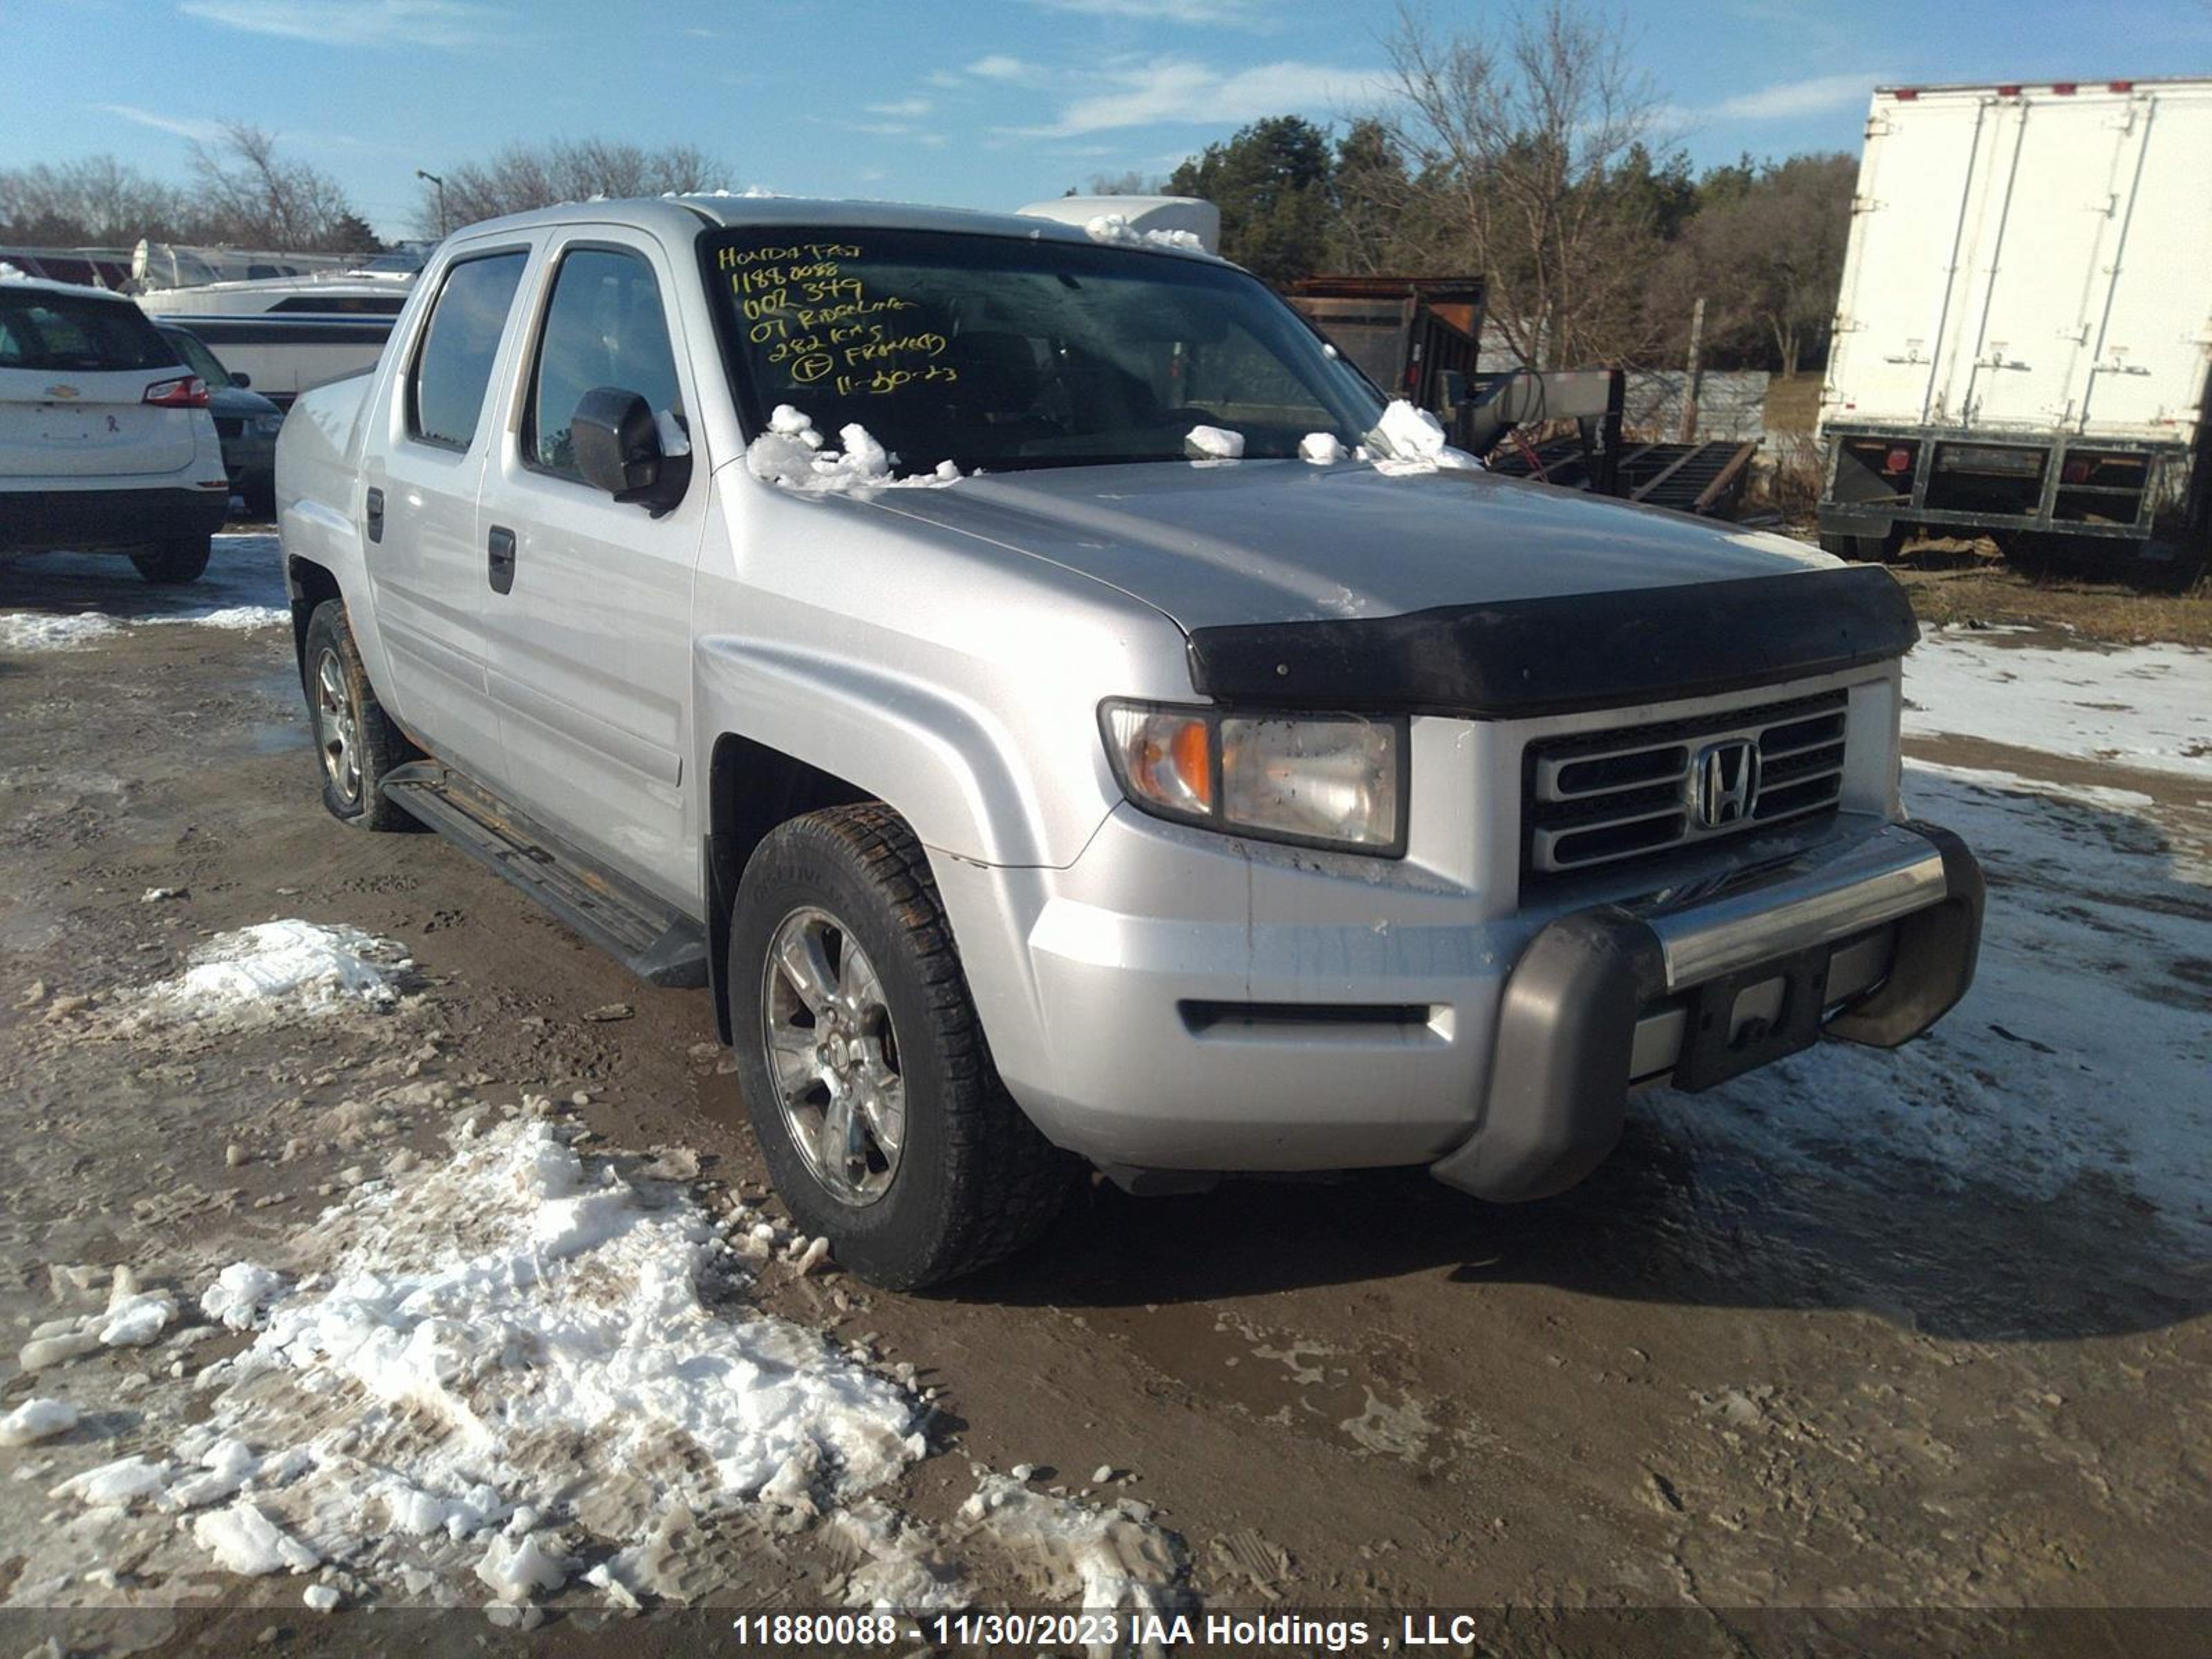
(310, 585)
(751, 788)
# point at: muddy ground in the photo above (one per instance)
(1702, 1380)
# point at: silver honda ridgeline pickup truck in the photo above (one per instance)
(1067, 716)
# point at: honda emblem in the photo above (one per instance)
(1724, 782)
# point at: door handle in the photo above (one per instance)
(374, 513)
(500, 551)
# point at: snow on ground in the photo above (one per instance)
(517, 1368)
(2147, 706)
(276, 969)
(38, 630)
(2081, 1054)
(790, 453)
(55, 601)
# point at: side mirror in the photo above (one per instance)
(241, 381)
(617, 448)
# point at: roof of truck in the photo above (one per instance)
(674, 215)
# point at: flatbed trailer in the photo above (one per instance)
(1707, 479)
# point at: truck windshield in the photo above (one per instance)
(1002, 353)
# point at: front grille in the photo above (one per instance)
(1598, 797)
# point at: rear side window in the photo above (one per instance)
(60, 332)
(604, 327)
(453, 366)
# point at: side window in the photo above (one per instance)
(453, 366)
(603, 326)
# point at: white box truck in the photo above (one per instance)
(2025, 324)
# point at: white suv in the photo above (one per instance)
(106, 442)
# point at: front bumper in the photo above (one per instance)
(1173, 1002)
(1873, 946)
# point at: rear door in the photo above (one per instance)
(591, 646)
(425, 563)
(75, 372)
(1921, 185)
(2153, 332)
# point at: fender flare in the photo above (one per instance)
(943, 760)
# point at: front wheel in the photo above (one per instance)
(355, 739)
(865, 1073)
(171, 564)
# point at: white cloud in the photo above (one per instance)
(999, 67)
(1790, 98)
(1175, 89)
(356, 23)
(902, 108)
(205, 132)
(1220, 14)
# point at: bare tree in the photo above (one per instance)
(96, 201)
(1131, 183)
(524, 176)
(1531, 133)
(250, 196)
(1771, 257)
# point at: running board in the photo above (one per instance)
(660, 944)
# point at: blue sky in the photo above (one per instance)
(977, 103)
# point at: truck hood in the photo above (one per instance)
(1236, 543)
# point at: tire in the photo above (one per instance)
(355, 751)
(170, 564)
(1864, 549)
(260, 502)
(963, 1178)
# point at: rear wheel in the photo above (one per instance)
(866, 1075)
(260, 500)
(355, 741)
(174, 563)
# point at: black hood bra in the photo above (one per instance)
(1558, 654)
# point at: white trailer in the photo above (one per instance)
(2025, 326)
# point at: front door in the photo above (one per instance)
(590, 647)
(426, 560)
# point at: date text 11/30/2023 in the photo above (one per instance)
(1029, 1631)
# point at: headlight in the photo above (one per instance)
(1323, 780)
(268, 426)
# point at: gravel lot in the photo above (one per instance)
(1864, 1331)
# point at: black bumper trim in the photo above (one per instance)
(1566, 1029)
(43, 520)
(1557, 655)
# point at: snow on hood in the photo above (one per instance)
(1213, 443)
(1414, 440)
(790, 453)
